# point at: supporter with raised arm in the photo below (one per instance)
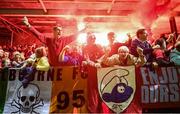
(71, 55)
(124, 58)
(54, 44)
(162, 54)
(114, 45)
(92, 51)
(178, 38)
(175, 54)
(141, 41)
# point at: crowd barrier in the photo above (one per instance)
(110, 89)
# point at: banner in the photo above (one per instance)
(69, 90)
(160, 88)
(120, 89)
(35, 98)
(117, 86)
(3, 87)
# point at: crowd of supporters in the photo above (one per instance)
(136, 51)
(13, 56)
(65, 51)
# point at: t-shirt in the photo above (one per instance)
(93, 52)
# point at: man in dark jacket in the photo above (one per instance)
(141, 42)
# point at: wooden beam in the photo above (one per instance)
(24, 12)
(70, 5)
(43, 6)
(79, 1)
(110, 8)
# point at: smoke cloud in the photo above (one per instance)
(148, 12)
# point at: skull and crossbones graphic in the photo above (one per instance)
(28, 99)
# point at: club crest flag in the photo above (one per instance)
(117, 86)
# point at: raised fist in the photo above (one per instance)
(25, 21)
(139, 51)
